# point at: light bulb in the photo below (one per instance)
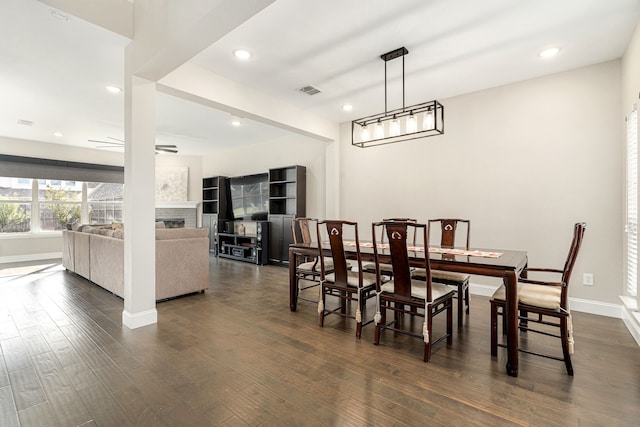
(412, 126)
(365, 134)
(394, 128)
(379, 132)
(428, 122)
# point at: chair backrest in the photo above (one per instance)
(335, 231)
(576, 242)
(397, 232)
(382, 237)
(301, 229)
(448, 228)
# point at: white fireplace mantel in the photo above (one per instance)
(188, 204)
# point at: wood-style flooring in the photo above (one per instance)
(236, 356)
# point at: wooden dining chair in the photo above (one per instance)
(405, 296)
(344, 283)
(546, 299)
(460, 281)
(386, 269)
(304, 230)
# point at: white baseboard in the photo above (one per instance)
(596, 307)
(138, 320)
(30, 257)
(577, 304)
(631, 316)
(632, 321)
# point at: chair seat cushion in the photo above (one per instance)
(313, 266)
(450, 276)
(419, 289)
(368, 279)
(534, 295)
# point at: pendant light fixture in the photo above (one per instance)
(402, 124)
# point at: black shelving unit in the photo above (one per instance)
(287, 200)
(215, 210)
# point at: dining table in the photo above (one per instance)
(506, 264)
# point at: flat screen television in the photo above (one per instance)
(250, 197)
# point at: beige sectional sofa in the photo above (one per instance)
(182, 258)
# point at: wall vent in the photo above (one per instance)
(25, 122)
(309, 90)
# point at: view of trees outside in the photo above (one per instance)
(14, 217)
(15, 205)
(58, 202)
(63, 207)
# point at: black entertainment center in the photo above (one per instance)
(249, 216)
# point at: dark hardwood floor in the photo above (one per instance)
(236, 355)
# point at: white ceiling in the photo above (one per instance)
(53, 71)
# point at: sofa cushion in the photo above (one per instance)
(180, 233)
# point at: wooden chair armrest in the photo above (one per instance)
(541, 282)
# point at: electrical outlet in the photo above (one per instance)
(587, 279)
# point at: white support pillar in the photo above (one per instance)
(139, 203)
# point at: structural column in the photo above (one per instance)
(139, 203)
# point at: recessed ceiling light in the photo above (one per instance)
(236, 123)
(347, 107)
(242, 54)
(113, 89)
(550, 52)
(58, 134)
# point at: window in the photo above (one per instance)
(58, 206)
(105, 202)
(632, 203)
(15, 205)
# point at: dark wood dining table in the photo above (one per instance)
(507, 266)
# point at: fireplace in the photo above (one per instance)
(181, 211)
(172, 222)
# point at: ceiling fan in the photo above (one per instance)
(119, 143)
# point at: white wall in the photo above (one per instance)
(523, 162)
(259, 158)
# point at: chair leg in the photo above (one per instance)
(494, 328)
(321, 313)
(450, 322)
(359, 324)
(564, 336)
(466, 297)
(524, 323)
(460, 304)
(383, 321)
(427, 345)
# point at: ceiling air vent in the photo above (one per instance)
(309, 90)
(25, 122)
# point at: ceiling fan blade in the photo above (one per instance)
(166, 146)
(166, 150)
(116, 139)
(118, 144)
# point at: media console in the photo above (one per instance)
(248, 242)
(277, 196)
